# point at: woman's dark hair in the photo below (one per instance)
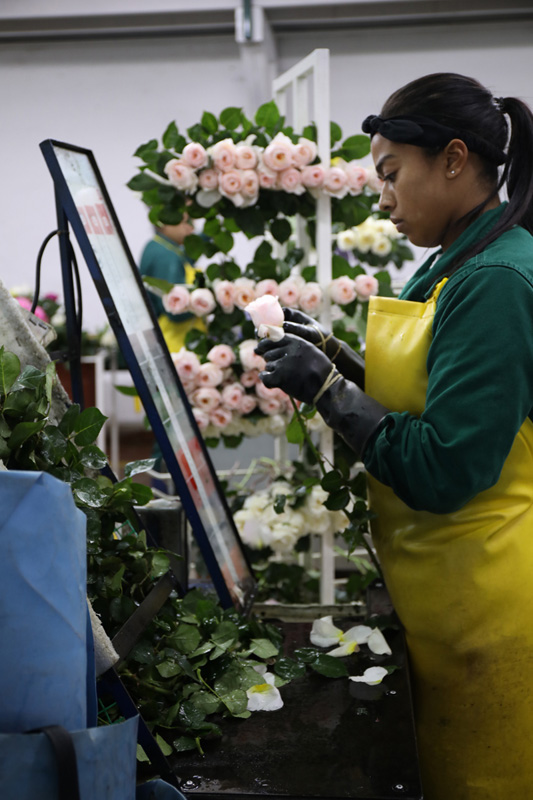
(464, 104)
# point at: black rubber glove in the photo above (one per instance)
(348, 362)
(294, 365)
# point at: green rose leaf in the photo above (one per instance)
(206, 702)
(224, 241)
(231, 118)
(88, 425)
(146, 149)
(194, 246)
(263, 648)
(170, 137)
(53, 445)
(294, 432)
(209, 122)
(281, 230)
(89, 493)
(23, 431)
(331, 481)
(9, 370)
(136, 467)
(338, 499)
(211, 228)
(142, 653)
(160, 565)
(190, 715)
(68, 421)
(267, 115)
(329, 666)
(158, 283)
(288, 669)
(141, 494)
(91, 456)
(184, 743)
(226, 634)
(186, 638)
(164, 746)
(142, 182)
(335, 132)
(236, 702)
(168, 669)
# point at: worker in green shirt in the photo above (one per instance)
(444, 424)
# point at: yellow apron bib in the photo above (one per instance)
(174, 333)
(462, 585)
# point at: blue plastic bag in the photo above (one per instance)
(106, 760)
(43, 606)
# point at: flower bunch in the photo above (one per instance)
(277, 517)
(224, 389)
(48, 307)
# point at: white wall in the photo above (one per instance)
(110, 96)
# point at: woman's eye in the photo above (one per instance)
(390, 177)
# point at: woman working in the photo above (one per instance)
(444, 425)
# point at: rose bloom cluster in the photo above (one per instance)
(226, 388)
(239, 170)
(371, 236)
(260, 526)
(293, 292)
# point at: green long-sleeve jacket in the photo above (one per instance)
(480, 368)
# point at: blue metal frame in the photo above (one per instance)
(67, 207)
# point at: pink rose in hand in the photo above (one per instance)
(222, 355)
(194, 155)
(202, 302)
(266, 310)
(342, 290)
(177, 300)
(366, 286)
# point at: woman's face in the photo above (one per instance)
(417, 192)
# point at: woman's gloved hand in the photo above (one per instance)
(348, 362)
(296, 366)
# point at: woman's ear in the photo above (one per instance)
(456, 156)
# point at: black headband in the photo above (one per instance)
(425, 132)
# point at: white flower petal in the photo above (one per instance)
(344, 650)
(273, 332)
(359, 634)
(378, 644)
(324, 633)
(264, 697)
(260, 668)
(371, 676)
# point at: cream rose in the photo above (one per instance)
(223, 154)
(209, 375)
(187, 365)
(248, 358)
(356, 177)
(313, 177)
(342, 290)
(194, 155)
(290, 180)
(335, 182)
(202, 302)
(304, 152)
(225, 295)
(208, 179)
(181, 175)
(347, 240)
(266, 310)
(311, 297)
(232, 395)
(222, 355)
(220, 417)
(267, 286)
(279, 154)
(177, 300)
(206, 398)
(290, 290)
(365, 286)
(245, 157)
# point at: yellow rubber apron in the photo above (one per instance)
(174, 333)
(462, 585)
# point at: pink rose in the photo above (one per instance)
(194, 155)
(265, 393)
(222, 355)
(365, 286)
(356, 178)
(290, 180)
(248, 404)
(266, 310)
(313, 177)
(304, 152)
(248, 358)
(187, 365)
(225, 295)
(220, 417)
(209, 375)
(230, 182)
(245, 157)
(250, 378)
(208, 179)
(202, 419)
(279, 154)
(250, 183)
(244, 292)
(202, 302)
(290, 290)
(267, 178)
(232, 395)
(310, 297)
(177, 300)
(267, 286)
(223, 154)
(335, 182)
(270, 407)
(207, 398)
(342, 290)
(181, 175)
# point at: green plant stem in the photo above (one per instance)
(308, 438)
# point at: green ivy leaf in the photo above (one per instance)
(209, 122)
(231, 118)
(263, 648)
(88, 425)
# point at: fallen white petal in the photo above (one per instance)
(264, 696)
(324, 633)
(371, 676)
(344, 650)
(359, 634)
(378, 644)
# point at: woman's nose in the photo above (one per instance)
(385, 200)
